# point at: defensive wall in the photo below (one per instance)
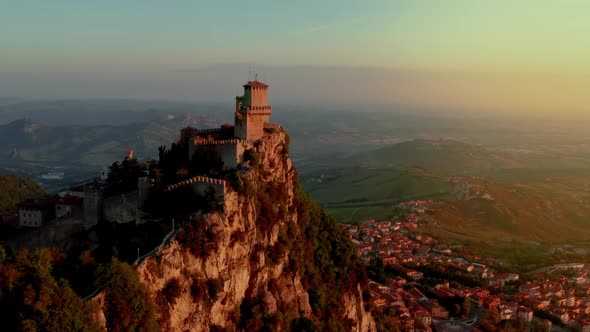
(121, 208)
(200, 185)
(231, 151)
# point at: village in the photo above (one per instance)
(423, 274)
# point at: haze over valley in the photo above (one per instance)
(364, 166)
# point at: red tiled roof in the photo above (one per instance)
(256, 83)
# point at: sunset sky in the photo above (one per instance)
(501, 55)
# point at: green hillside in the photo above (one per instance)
(553, 209)
(14, 189)
(478, 194)
(444, 156)
(356, 194)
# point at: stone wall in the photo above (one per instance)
(255, 124)
(93, 204)
(143, 188)
(200, 185)
(231, 152)
(121, 208)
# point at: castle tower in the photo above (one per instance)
(252, 111)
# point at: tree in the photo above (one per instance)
(31, 299)
(490, 320)
(128, 306)
(465, 307)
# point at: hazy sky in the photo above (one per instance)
(500, 55)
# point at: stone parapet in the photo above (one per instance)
(224, 141)
(194, 180)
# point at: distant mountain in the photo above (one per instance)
(28, 140)
(19, 133)
(14, 189)
(445, 156)
(97, 111)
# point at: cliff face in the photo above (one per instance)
(240, 272)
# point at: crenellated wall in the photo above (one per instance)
(231, 152)
(200, 185)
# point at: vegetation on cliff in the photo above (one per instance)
(128, 306)
(35, 293)
(318, 249)
(311, 244)
(14, 190)
(33, 299)
(122, 177)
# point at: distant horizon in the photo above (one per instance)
(478, 57)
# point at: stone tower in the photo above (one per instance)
(252, 111)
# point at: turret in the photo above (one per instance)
(252, 111)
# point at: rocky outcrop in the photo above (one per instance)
(239, 265)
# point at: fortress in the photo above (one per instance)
(229, 142)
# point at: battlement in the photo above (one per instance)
(258, 108)
(196, 180)
(223, 141)
(252, 114)
(210, 131)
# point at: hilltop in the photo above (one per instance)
(443, 155)
(92, 145)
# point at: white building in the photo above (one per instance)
(34, 212)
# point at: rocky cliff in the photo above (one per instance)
(266, 261)
(246, 270)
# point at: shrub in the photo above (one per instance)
(214, 286)
(172, 290)
(253, 157)
(287, 144)
(198, 237)
(127, 306)
(198, 290)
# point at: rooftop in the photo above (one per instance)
(256, 83)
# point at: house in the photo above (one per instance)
(35, 212)
(492, 302)
(505, 313)
(422, 251)
(423, 318)
(68, 206)
(525, 314)
(436, 310)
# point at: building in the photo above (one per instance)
(68, 206)
(35, 212)
(525, 314)
(423, 319)
(229, 143)
(252, 111)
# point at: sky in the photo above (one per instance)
(530, 56)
